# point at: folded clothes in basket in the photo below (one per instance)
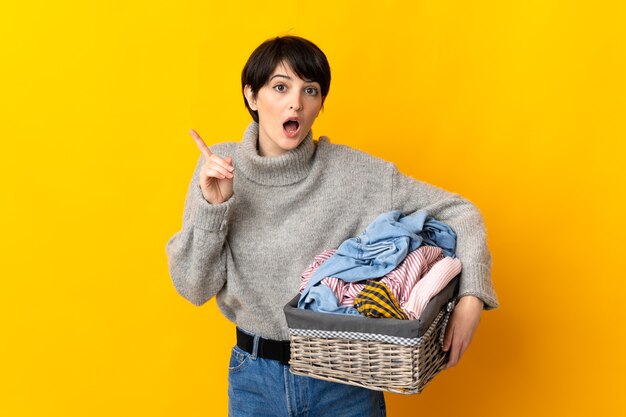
(382, 247)
(401, 280)
(422, 274)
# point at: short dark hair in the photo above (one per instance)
(303, 56)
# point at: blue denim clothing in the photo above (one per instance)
(381, 247)
(322, 298)
(436, 233)
(263, 387)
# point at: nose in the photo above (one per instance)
(296, 102)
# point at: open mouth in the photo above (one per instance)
(291, 127)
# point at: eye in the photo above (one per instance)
(312, 91)
(280, 87)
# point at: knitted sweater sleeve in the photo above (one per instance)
(197, 253)
(410, 195)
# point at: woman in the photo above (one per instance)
(258, 211)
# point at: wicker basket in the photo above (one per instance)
(399, 356)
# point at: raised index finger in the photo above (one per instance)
(201, 145)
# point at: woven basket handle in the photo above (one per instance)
(446, 317)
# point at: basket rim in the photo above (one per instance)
(409, 329)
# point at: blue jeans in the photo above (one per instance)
(263, 387)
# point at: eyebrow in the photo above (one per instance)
(279, 75)
(289, 78)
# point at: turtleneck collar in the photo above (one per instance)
(285, 169)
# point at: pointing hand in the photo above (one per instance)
(216, 174)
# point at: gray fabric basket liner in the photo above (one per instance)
(314, 320)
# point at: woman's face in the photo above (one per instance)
(287, 106)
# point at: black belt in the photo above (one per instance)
(277, 350)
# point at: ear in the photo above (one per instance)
(250, 97)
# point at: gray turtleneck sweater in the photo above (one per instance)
(250, 250)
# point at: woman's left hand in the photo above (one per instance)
(461, 327)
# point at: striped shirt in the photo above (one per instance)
(432, 283)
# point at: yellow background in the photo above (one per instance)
(519, 106)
